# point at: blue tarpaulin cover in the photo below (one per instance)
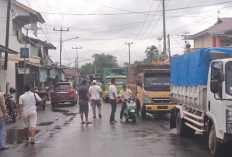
(192, 69)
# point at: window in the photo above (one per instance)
(228, 78)
(217, 74)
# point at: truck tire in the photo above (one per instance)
(182, 129)
(215, 147)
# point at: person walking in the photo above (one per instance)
(27, 112)
(2, 121)
(125, 94)
(95, 96)
(113, 101)
(84, 99)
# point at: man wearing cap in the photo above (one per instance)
(95, 96)
(125, 94)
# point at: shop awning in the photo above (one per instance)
(7, 50)
(34, 64)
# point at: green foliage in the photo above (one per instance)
(152, 53)
(87, 69)
(102, 61)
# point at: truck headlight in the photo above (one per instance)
(229, 121)
(146, 99)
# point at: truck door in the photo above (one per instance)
(215, 107)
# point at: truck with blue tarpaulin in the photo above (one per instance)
(201, 85)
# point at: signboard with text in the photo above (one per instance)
(21, 70)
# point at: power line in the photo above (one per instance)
(135, 12)
(145, 19)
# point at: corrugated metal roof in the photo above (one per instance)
(7, 50)
(222, 27)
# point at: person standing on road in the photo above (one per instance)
(27, 112)
(96, 95)
(84, 99)
(2, 121)
(113, 101)
(125, 94)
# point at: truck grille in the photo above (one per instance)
(161, 101)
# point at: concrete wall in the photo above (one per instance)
(203, 42)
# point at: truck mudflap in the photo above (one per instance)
(173, 119)
(161, 108)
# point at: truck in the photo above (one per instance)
(120, 76)
(201, 85)
(98, 78)
(151, 85)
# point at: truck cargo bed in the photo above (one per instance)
(192, 96)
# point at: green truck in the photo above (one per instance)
(120, 76)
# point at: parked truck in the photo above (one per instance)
(201, 84)
(120, 76)
(151, 84)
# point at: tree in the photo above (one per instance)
(152, 53)
(87, 69)
(104, 61)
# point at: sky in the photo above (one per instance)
(103, 26)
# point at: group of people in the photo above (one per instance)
(94, 94)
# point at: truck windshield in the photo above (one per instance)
(157, 83)
(228, 78)
(119, 81)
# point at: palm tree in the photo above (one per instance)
(152, 53)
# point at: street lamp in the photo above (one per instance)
(61, 43)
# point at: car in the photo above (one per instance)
(63, 92)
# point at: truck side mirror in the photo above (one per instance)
(214, 88)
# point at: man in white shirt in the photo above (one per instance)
(96, 95)
(27, 111)
(113, 100)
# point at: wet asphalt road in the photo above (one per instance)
(64, 136)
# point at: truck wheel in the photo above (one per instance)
(143, 113)
(215, 147)
(182, 129)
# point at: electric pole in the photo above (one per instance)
(164, 29)
(77, 56)
(169, 48)
(60, 30)
(129, 44)
(7, 32)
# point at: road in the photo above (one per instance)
(61, 135)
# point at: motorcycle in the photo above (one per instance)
(11, 105)
(130, 110)
(43, 95)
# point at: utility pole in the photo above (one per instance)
(95, 65)
(169, 47)
(164, 28)
(129, 44)
(60, 30)
(77, 56)
(7, 32)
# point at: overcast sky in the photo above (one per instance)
(103, 26)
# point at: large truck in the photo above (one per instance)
(151, 85)
(120, 76)
(201, 84)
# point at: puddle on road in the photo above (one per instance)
(44, 124)
(59, 110)
(69, 114)
(16, 136)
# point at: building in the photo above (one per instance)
(218, 35)
(71, 76)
